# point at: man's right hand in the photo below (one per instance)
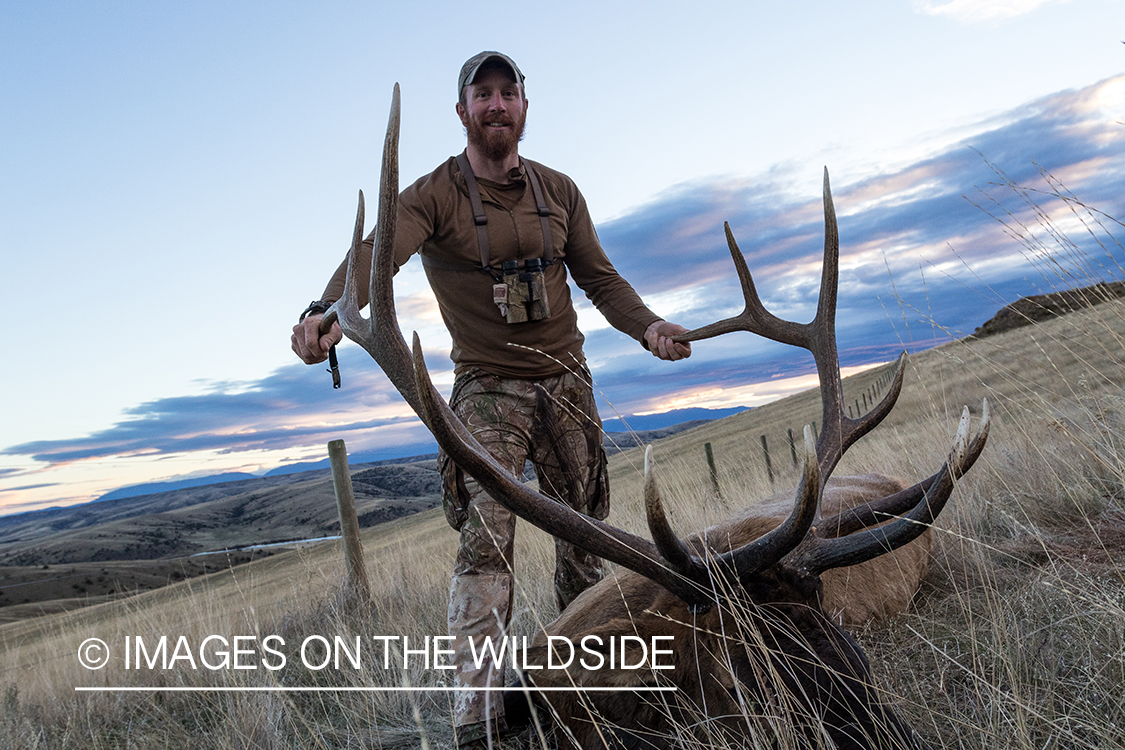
(309, 344)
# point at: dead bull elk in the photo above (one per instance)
(755, 653)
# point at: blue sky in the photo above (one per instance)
(177, 182)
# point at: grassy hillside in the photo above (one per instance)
(182, 522)
(1016, 640)
(66, 558)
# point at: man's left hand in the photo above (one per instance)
(659, 339)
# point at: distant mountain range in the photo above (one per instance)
(666, 419)
(149, 488)
(648, 422)
(615, 428)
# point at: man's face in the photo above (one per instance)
(494, 113)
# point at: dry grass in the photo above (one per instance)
(1017, 639)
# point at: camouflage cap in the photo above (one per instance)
(473, 65)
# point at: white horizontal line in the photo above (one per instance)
(228, 689)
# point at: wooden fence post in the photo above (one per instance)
(766, 453)
(792, 448)
(356, 581)
(712, 470)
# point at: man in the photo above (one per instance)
(497, 235)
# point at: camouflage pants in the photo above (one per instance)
(554, 423)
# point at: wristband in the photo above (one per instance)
(316, 307)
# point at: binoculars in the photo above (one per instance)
(522, 294)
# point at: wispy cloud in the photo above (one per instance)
(920, 228)
(293, 406)
(978, 11)
(26, 487)
(919, 263)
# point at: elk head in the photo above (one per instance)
(766, 631)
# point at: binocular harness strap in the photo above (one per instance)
(544, 213)
(481, 221)
(478, 208)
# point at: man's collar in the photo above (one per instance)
(515, 174)
(518, 172)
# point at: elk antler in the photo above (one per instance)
(839, 432)
(877, 511)
(669, 562)
(817, 554)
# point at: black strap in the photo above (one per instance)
(334, 366)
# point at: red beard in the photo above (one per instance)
(496, 144)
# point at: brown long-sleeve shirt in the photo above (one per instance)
(436, 219)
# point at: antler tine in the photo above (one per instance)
(754, 317)
(347, 308)
(838, 430)
(830, 270)
(819, 554)
(394, 355)
(678, 554)
(835, 425)
(689, 582)
(769, 548)
(885, 508)
(380, 336)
